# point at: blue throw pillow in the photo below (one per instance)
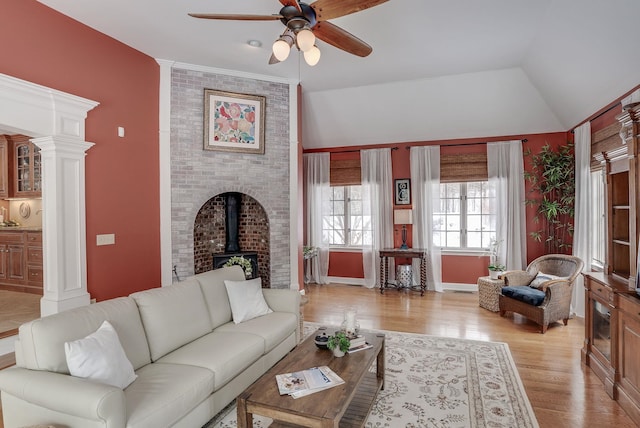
(525, 294)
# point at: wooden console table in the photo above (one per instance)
(414, 253)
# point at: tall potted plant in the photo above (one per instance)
(552, 193)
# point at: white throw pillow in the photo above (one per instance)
(100, 357)
(542, 277)
(246, 299)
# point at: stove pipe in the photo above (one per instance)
(232, 208)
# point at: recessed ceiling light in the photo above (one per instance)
(254, 43)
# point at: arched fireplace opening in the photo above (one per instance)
(232, 224)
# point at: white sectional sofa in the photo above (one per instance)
(190, 358)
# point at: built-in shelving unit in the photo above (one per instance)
(612, 316)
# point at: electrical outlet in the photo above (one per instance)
(108, 239)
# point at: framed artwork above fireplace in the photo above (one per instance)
(233, 122)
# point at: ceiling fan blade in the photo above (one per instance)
(341, 39)
(329, 9)
(236, 17)
(293, 3)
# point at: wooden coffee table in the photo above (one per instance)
(345, 405)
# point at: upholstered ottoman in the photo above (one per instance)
(488, 292)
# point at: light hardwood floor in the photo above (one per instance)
(562, 391)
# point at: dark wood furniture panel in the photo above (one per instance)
(628, 364)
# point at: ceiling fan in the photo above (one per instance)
(305, 22)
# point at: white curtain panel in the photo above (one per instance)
(425, 189)
(316, 185)
(377, 204)
(582, 218)
(505, 167)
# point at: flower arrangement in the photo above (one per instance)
(245, 264)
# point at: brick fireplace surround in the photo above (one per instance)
(253, 234)
(199, 177)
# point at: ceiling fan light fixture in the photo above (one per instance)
(282, 47)
(305, 39)
(312, 56)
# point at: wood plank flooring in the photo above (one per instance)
(562, 391)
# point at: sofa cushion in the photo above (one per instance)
(225, 354)
(525, 294)
(42, 340)
(100, 357)
(273, 328)
(246, 299)
(215, 292)
(172, 316)
(164, 393)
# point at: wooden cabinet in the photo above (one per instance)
(628, 356)
(612, 316)
(20, 168)
(21, 261)
(34, 259)
(27, 168)
(599, 351)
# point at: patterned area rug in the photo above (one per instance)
(438, 382)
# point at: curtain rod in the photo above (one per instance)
(524, 140)
(359, 150)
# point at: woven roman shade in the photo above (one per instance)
(463, 167)
(345, 172)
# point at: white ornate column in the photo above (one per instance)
(56, 120)
(63, 223)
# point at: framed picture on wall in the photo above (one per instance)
(403, 191)
(233, 122)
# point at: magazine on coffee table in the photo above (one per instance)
(304, 382)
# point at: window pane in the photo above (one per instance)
(338, 208)
(474, 223)
(453, 222)
(474, 190)
(355, 192)
(355, 208)
(465, 215)
(453, 239)
(338, 193)
(474, 240)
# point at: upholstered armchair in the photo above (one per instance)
(542, 293)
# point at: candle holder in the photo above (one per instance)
(350, 325)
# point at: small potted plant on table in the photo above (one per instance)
(495, 270)
(339, 343)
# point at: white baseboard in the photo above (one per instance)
(454, 286)
(348, 281)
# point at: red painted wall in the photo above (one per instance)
(122, 174)
(455, 268)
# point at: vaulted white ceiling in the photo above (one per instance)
(439, 70)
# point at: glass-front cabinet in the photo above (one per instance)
(601, 328)
(599, 351)
(27, 170)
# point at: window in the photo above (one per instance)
(598, 220)
(344, 224)
(466, 217)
